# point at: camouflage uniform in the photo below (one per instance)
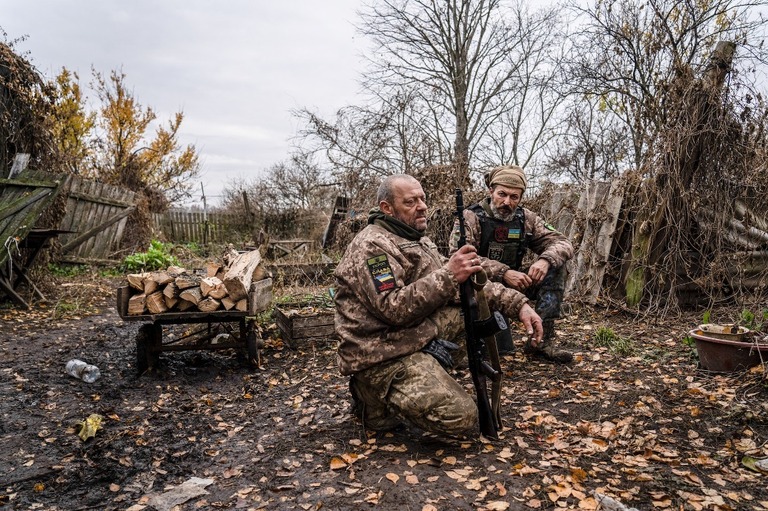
(503, 246)
(394, 296)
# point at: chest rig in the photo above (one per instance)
(499, 240)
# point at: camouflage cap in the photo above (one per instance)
(506, 175)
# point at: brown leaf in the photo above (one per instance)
(337, 463)
(393, 477)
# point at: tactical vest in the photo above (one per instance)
(499, 240)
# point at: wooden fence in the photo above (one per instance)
(97, 214)
(180, 226)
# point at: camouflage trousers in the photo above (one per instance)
(548, 295)
(415, 389)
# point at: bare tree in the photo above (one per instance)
(591, 145)
(638, 49)
(454, 54)
(537, 88)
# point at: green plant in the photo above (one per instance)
(705, 318)
(752, 321)
(113, 271)
(157, 257)
(66, 270)
(607, 338)
(62, 309)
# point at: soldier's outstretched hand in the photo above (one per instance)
(464, 262)
(532, 323)
(538, 270)
(517, 280)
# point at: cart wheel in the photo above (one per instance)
(148, 342)
(252, 342)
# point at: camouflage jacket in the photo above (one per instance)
(389, 292)
(546, 242)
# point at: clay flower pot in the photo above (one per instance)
(722, 348)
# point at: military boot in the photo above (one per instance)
(547, 348)
(376, 418)
(504, 342)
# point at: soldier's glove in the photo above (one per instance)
(441, 350)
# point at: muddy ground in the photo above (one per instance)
(637, 421)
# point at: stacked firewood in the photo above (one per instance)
(217, 287)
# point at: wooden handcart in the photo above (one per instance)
(240, 327)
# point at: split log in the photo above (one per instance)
(191, 294)
(240, 274)
(171, 290)
(212, 269)
(163, 278)
(171, 301)
(260, 273)
(137, 304)
(260, 296)
(136, 280)
(230, 255)
(242, 305)
(213, 287)
(184, 305)
(156, 302)
(208, 304)
(176, 270)
(228, 303)
(150, 286)
(185, 281)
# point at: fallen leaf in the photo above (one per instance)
(337, 463)
(393, 477)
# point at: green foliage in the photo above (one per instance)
(66, 270)
(688, 341)
(63, 308)
(705, 318)
(115, 271)
(754, 321)
(157, 257)
(607, 338)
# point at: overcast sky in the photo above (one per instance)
(236, 68)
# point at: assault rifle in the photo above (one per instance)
(481, 326)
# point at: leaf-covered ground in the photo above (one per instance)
(646, 428)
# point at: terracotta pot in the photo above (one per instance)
(727, 355)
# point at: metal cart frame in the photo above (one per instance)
(149, 340)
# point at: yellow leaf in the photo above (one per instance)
(579, 475)
(411, 479)
(337, 463)
(393, 477)
(497, 505)
(90, 426)
(39, 487)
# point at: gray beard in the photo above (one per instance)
(497, 214)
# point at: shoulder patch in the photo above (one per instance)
(383, 277)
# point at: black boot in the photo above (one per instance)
(504, 342)
(547, 347)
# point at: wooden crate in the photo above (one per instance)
(298, 323)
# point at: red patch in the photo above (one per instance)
(500, 234)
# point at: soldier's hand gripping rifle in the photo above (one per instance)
(480, 326)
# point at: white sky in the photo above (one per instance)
(235, 68)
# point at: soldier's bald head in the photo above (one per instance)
(386, 190)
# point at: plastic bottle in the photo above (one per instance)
(82, 370)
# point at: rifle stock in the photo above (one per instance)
(480, 326)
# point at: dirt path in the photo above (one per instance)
(648, 429)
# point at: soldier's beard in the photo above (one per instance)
(506, 216)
